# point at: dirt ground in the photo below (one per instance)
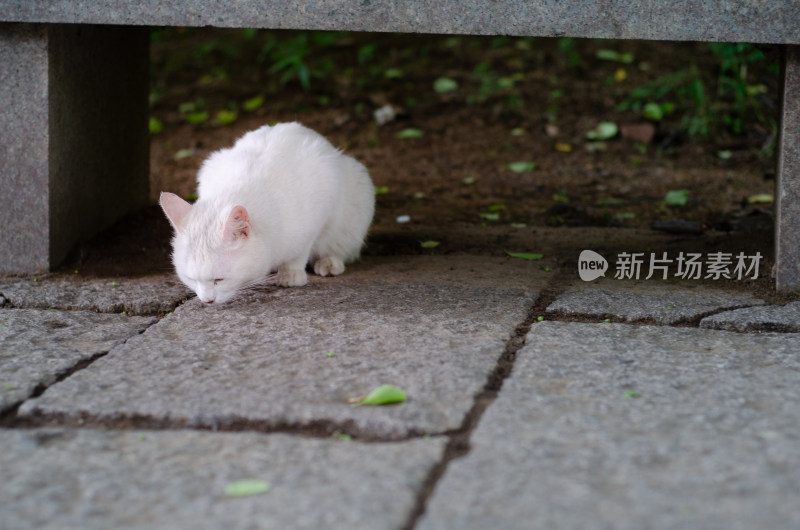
(514, 100)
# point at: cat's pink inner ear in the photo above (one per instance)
(238, 224)
(175, 209)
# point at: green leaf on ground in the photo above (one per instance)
(429, 244)
(525, 255)
(522, 167)
(383, 395)
(611, 55)
(183, 153)
(604, 130)
(410, 134)
(490, 216)
(196, 118)
(677, 197)
(253, 104)
(393, 73)
(761, 198)
(445, 84)
(224, 117)
(155, 125)
(246, 488)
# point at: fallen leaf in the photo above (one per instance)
(611, 55)
(381, 190)
(761, 198)
(490, 216)
(383, 395)
(410, 134)
(224, 117)
(196, 118)
(522, 167)
(677, 197)
(604, 130)
(725, 155)
(563, 148)
(246, 488)
(429, 244)
(445, 84)
(183, 153)
(525, 255)
(253, 104)
(155, 125)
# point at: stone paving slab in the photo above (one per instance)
(712, 441)
(87, 479)
(766, 318)
(648, 300)
(136, 296)
(36, 346)
(293, 357)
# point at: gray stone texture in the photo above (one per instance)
(36, 347)
(75, 144)
(717, 20)
(787, 185)
(86, 480)
(646, 301)
(711, 441)
(135, 296)
(262, 359)
(766, 318)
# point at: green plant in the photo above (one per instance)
(291, 56)
(700, 110)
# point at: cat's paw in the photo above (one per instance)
(330, 266)
(291, 278)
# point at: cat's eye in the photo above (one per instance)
(217, 280)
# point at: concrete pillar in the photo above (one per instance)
(787, 186)
(74, 151)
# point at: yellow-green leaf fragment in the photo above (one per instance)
(522, 167)
(224, 117)
(677, 197)
(525, 255)
(410, 134)
(383, 395)
(761, 198)
(253, 104)
(445, 84)
(155, 125)
(246, 488)
(429, 244)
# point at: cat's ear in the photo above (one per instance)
(175, 209)
(238, 225)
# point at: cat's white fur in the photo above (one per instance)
(280, 198)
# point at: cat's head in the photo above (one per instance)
(215, 251)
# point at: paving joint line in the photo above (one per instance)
(459, 443)
(10, 419)
(602, 318)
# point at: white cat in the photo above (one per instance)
(280, 198)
